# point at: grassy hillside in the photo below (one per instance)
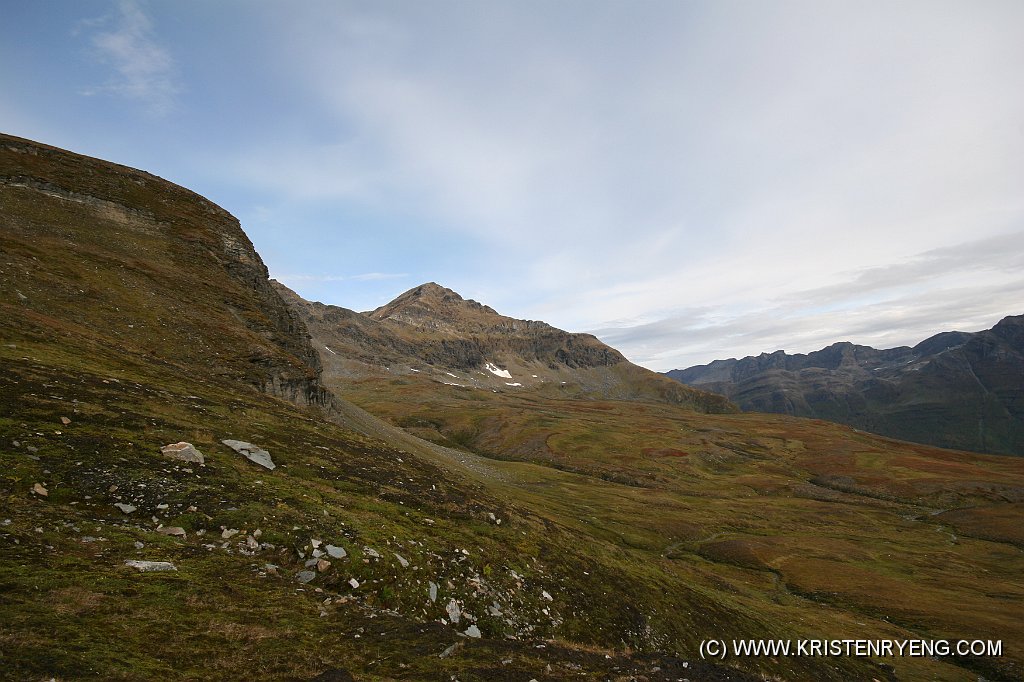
(582, 539)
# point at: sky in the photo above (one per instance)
(688, 180)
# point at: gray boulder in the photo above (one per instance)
(251, 453)
(186, 452)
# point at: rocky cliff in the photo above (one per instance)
(124, 233)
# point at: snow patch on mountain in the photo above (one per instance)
(498, 372)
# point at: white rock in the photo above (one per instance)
(402, 560)
(146, 566)
(354, 583)
(185, 452)
(433, 590)
(473, 631)
(229, 533)
(336, 552)
(454, 612)
(126, 508)
(251, 452)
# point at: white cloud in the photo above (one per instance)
(744, 174)
(143, 70)
(967, 288)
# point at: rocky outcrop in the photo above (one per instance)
(183, 259)
(431, 331)
(955, 389)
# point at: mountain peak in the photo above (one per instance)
(433, 306)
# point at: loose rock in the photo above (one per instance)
(176, 531)
(454, 612)
(251, 452)
(450, 650)
(147, 566)
(38, 489)
(126, 508)
(305, 576)
(185, 452)
(336, 552)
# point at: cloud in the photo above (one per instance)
(966, 287)
(692, 180)
(143, 70)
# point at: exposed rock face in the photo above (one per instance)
(433, 331)
(127, 233)
(955, 389)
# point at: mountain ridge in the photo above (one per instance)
(432, 331)
(955, 389)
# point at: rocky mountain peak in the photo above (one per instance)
(433, 306)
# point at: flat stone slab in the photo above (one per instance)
(149, 566)
(251, 452)
(176, 531)
(186, 452)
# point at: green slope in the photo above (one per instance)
(136, 314)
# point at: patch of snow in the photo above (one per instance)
(330, 351)
(413, 370)
(453, 376)
(513, 384)
(497, 371)
(534, 376)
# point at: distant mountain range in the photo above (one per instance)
(955, 389)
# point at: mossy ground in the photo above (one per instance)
(132, 315)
